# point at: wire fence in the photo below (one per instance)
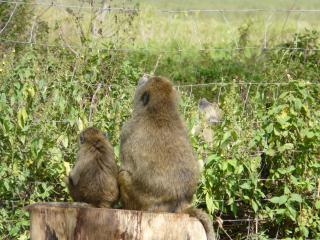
(161, 51)
(58, 5)
(73, 47)
(263, 47)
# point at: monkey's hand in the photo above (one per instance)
(125, 184)
(124, 178)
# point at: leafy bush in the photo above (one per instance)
(15, 21)
(263, 162)
(267, 166)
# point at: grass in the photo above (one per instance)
(179, 36)
(232, 4)
(205, 4)
(201, 30)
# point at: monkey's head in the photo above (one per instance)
(92, 136)
(155, 95)
(211, 111)
(203, 103)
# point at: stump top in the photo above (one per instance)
(78, 205)
(78, 221)
(57, 205)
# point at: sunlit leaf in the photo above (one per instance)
(296, 197)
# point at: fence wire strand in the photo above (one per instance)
(124, 9)
(63, 45)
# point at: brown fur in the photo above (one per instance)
(94, 177)
(159, 169)
(204, 219)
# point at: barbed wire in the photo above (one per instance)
(9, 19)
(249, 154)
(124, 9)
(244, 83)
(220, 83)
(63, 45)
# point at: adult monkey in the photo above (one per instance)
(159, 169)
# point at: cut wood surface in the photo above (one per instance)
(75, 221)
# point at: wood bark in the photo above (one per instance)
(74, 221)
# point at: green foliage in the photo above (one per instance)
(264, 158)
(15, 20)
(285, 138)
(44, 105)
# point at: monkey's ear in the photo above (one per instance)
(81, 138)
(145, 98)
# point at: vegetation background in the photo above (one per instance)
(68, 64)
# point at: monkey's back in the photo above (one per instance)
(98, 184)
(161, 159)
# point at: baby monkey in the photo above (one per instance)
(93, 179)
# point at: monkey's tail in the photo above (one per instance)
(204, 219)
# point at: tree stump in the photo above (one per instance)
(75, 221)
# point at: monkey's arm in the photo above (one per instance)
(129, 193)
(125, 183)
(127, 130)
(79, 167)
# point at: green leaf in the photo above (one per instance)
(80, 124)
(245, 197)
(286, 190)
(22, 117)
(279, 200)
(287, 146)
(306, 133)
(117, 150)
(233, 162)
(286, 170)
(305, 231)
(292, 213)
(62, 139)
(283, 199)
(67, 167)
(317, 204)
(245, 186)
(254, 206)
(270, 152)
(224, 166)
(234, 209)
(274, 200)
(226, 136)
(296, 197)
(283, 119)
(297, 104)
(240, 169)
(65, 141)
(280, 211)
(230, 201)
(269, 128)
(6, 184)
(212, 158)
(209, 203)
